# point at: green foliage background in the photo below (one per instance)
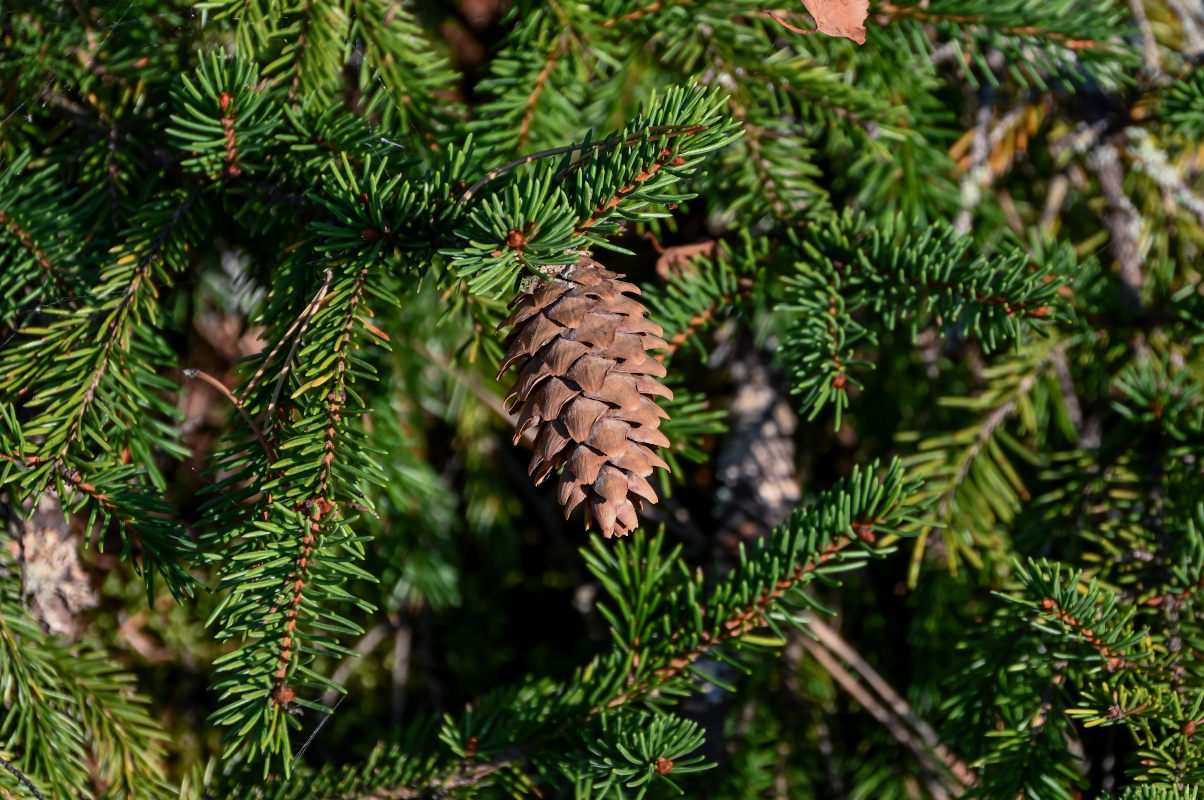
(964, 256)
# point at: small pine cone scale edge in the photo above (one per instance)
(586, 387)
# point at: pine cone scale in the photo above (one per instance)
(587, 387)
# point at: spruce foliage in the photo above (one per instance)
(255, 259)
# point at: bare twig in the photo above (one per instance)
(303, 321)
(778, 18)
(1191, 19)
(300, 321)
(221, 387)
(1153, 161)
(22, 777)
(831, 640)
(367, 643)
(894, 726)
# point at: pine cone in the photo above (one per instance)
(586, 383)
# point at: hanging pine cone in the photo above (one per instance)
(586, 384)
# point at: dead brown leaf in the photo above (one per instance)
(844, 18)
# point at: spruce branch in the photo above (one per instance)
(517, 733)
(290, 553)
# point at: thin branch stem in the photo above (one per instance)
(22, 777)
(833, 641)
(655, 132)
(301, 325)
(276, 347)
(893, 724)
(221, 387)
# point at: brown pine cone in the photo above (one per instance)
(586, 384)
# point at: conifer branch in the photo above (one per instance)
(663, 159)
(115, 328)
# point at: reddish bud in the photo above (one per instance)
(664, 765)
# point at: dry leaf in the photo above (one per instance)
(834, 17)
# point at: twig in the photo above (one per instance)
(306, 316)
(263, 367)
(978, 173)
(540, 82)
(655, 132)
(788, 26)
(22, 777)
(221, 387)
(835, 643)
(1122, 221)
(367, 643)
(674, 259)
(1191, 26)
(1154, 162)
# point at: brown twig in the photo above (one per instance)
(300, 325)
(639, 13)
(673, 259)
(890, 12)
(225, 102)
(259, 373)
(896, 706)
(221, 387)
(1113, 659)
(778, 18)
(893, 724)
